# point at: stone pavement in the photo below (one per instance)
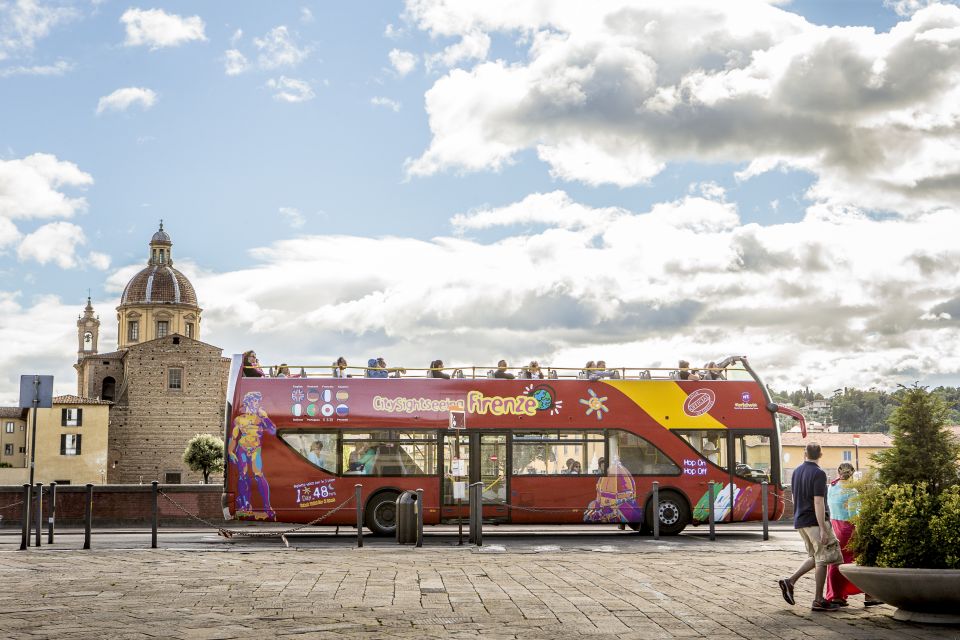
(619, 587)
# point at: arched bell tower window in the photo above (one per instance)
(87, 341)
(108, 389)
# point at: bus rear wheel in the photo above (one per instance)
(674, 514)
(381, 513)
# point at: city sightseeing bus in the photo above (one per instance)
(563, 449)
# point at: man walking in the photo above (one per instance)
(809, 484)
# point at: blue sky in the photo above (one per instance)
(371, 157)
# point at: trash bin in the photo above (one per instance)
(407, 518)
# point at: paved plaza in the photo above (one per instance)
(553, 583)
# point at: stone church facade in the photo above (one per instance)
(165, 384)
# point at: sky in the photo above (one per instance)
(631, 181)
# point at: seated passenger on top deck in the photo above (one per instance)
(251, 366)
(374, 370)
(436, 370)
(601, 371)
(340, 368)
(684, 372)
(588, 370)
(501, 371)
(393, 371)
(532, 371)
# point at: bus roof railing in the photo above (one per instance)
(522, 372)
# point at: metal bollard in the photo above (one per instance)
(656, 510)
(25, 518)
(39, 515)
(419, 517)
(713, 520)
(88, 517)
(765, 489)
(357, 491)
(156, 513)
(53, 512)
(478, 536)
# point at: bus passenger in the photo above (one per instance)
(374, 369)
(532, 371)
(283, 371)
(588, 370)
(501, 371)
(251, 366)
(436, 370)
(392, 372)
(573, 467)
(685, 372)
(340, 368)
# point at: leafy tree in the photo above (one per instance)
(204, 453)
(923, 450)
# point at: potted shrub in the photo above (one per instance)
(907, 540)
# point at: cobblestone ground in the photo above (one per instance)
(237, 591)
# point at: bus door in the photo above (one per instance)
(751, 462)
(470, 457)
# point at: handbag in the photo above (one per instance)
(831, 551)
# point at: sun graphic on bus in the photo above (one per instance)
(595, 404)
(546, 398)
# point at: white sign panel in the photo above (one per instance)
(459, 490)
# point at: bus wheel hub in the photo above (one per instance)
(669, 514)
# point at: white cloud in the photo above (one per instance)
(23, 22)
(910, 7)
(293, 217)
(613, 95)
(9, 234)
(31, 187)
(235, 62)
(393, 32)
(472, 46)
(55, 242)
(98, 260)
(123, 99)
(306, 16)
(41, 337)
(58, 68)
(278, 48)
(237, 35)
(290, 89)
(380, 101)
(156, 28)
(403, 62)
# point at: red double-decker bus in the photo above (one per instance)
(554, 450)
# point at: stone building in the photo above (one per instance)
(165, 384)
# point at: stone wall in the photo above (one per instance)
(115, 505)
(93, 369)
(151, 424)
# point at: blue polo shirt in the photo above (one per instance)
(808, 481)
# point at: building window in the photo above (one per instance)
(71, 417)
(133, 330)
(70, 444)
(171, 478)
(9, 427)
(23, 449)
(162, 326)
(8, 449)
(175, 378)
(847, 456)
(189, 329)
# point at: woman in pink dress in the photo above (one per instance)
(843, 501)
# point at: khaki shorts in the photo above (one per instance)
(821, 553)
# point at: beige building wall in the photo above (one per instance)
(13, 443)
(836, 448)
(54, 463)
(177, 316)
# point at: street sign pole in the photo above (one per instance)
(33, 428)
(36, 392)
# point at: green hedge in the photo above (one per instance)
(907, 526)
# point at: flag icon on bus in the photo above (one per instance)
(458, 420)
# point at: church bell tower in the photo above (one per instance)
(88, 332)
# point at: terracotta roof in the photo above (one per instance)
(107, 356)
(12, 412)
(159, 284)
(845, 439)
(78, 400)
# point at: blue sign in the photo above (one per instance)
(37, 389)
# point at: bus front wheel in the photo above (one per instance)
(674, 513)
(381, 513)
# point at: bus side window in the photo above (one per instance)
(710, 443)
(640, 457)
(752, 453)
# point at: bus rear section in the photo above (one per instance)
(547, 451)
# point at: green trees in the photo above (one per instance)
(204, 453)
(923, 451)
(912, 517)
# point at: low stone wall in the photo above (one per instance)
(119, 505)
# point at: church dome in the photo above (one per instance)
(159, 284)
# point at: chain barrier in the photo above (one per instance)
(10, 506)
(239, 533)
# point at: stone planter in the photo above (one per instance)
(920, 595)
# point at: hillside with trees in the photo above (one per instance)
(865, 410)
